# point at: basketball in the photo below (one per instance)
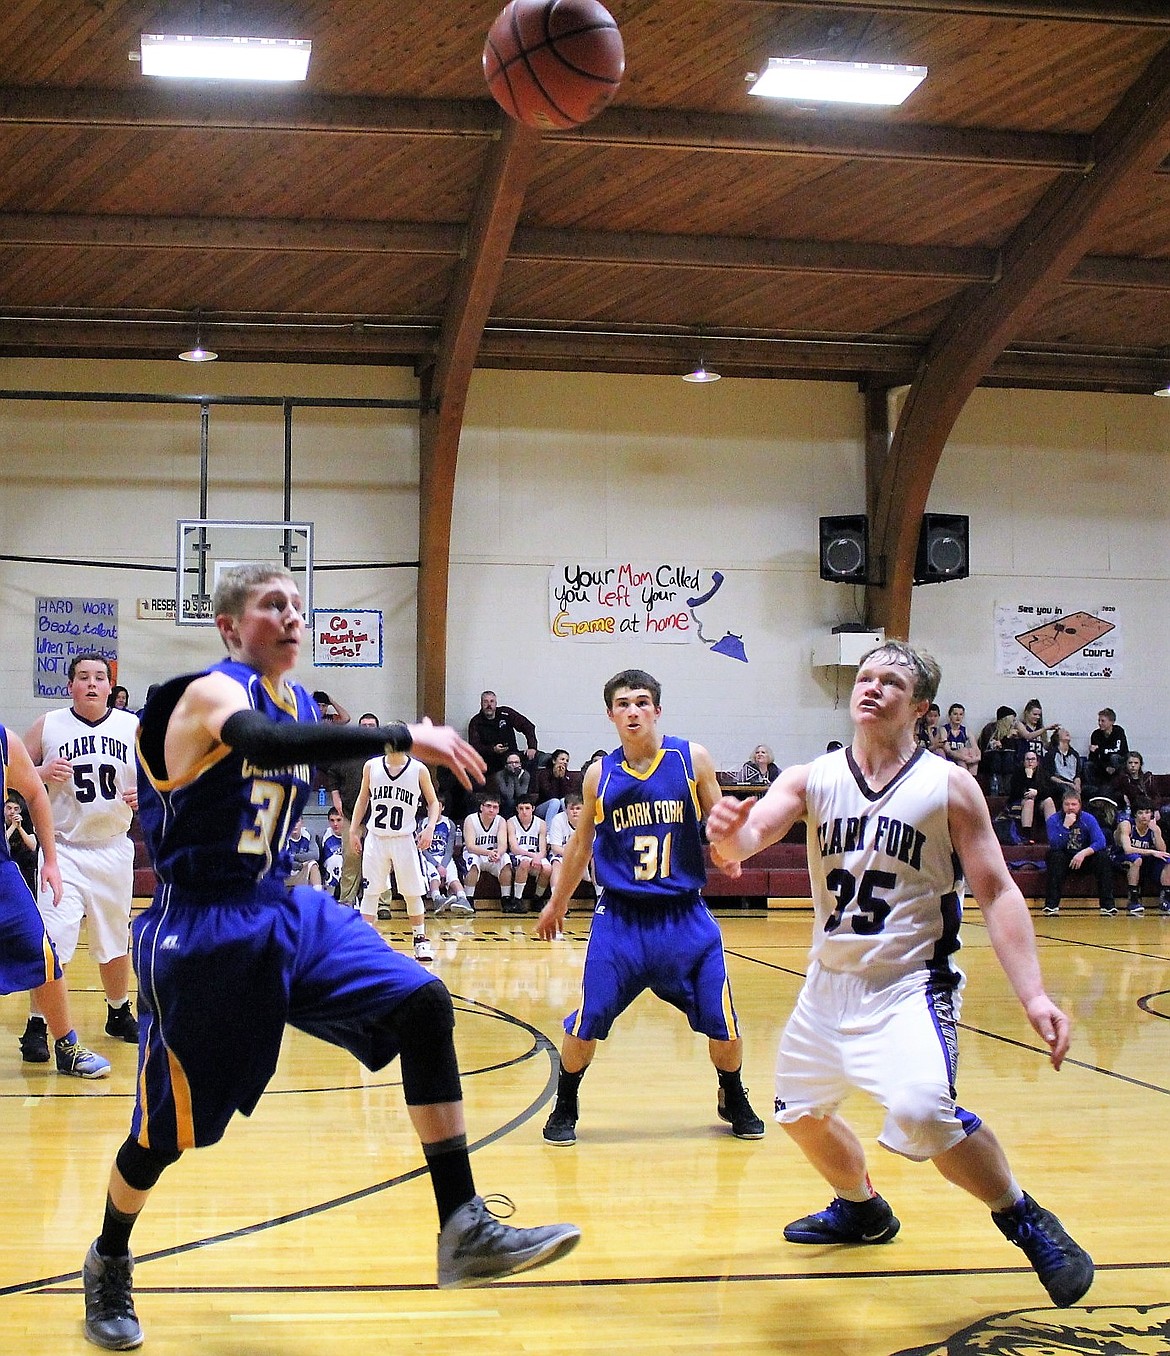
(553, 63)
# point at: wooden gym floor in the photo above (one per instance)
(310, 1230)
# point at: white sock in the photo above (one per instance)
(119, 1002)
(1012, 1196)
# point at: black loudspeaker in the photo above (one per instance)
(845, 549)
(943, 548)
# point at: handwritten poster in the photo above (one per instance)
(628, 600)
(1041, 640)
(65, 628)
(347, 639)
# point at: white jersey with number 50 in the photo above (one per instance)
(89, 808)
(886, 882)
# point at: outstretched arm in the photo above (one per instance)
(738, 829)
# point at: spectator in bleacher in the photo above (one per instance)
(760, 769)
(1075, 841)
(492, 733)
(1133, 783)
(343, 781)
(119, 698)
(997, 746)
(306, 857)
(333, 853)
(1031, 733)
(1108, 749)
(559, 833)
(1062, 763)
(510, 783)
(22, 841)
(1143, 852)
(928, 730)
(331, 709)
(958, 745)
(528, 848)
(552, 785)
(1030, 796)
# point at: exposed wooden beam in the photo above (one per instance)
(1040, 254)
(1134, 13)
(280, 110)
(489, 236)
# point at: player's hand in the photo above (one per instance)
(1052, 1026)
(729, 867)
(441, 744)
(725, 819)
(130, 796)
(355, 842)
(57, 770)
(51, 876)
(424, 840)
(550, 924)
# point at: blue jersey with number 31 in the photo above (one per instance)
(647, 841)
(225, 825)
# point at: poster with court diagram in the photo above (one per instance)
(1042, 640)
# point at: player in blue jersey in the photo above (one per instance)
(641, 821)
(28, 959)
(226, 955)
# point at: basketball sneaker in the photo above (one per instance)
(1164, 905)
(423, 950)
(843, 1221)
(34, 1043)
(1051, 910)
(461, 904)
(439, 905)
(735, 1108)
(1065, 1269)
(110, 1320)
(561, 1126)
(1108, 910)
(384, 912)
(1135, 908)
(476, 1249)
(122, 1023)
(74, 1059)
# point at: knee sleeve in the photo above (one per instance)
(423, 1028)
(141, 1168)
(922, 1122)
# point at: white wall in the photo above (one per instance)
(1067, 496)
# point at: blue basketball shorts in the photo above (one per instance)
(219, 981)
(27, 957)
(672, 947)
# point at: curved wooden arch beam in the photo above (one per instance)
(444, 392)
(1040, 254)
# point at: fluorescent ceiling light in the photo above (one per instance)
(223, 58)
(837, 82)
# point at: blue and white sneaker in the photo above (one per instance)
(74, 1059)
(843, 1221)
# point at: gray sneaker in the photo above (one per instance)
(460, 904)
(476, 1249)
(110, 1320)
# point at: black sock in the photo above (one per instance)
(730, 1079)
(114, 1239)
(567, 1085)
(451, 1179)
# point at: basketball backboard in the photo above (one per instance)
(207, 546)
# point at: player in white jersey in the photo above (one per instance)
(392, 789)
(485, 847)
(85, 757)
(889, 828)
(528, 848)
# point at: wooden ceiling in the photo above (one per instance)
(1013, 215)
